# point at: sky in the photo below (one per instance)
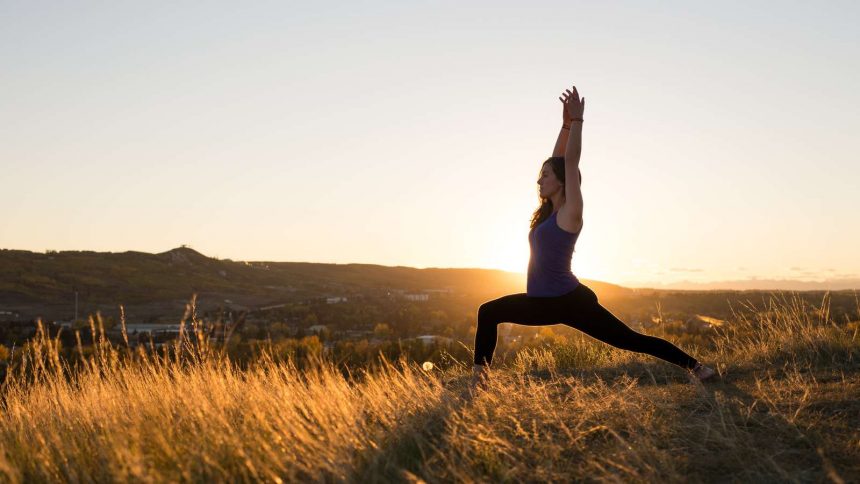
(719, 140)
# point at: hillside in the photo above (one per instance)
(44, 283)
(784, 408)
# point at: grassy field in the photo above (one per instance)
(786, 407)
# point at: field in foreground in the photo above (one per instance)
(785, 408)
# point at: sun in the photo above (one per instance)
(509, 254)
(509, 251)
(512, 255)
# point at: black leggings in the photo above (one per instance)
(578, 309)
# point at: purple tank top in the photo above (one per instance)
(549, 273)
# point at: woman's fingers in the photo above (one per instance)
(568, 97)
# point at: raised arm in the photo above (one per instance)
(561, 141)
(573, 148)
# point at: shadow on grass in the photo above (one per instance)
(402, 452)
(727, 432)
(740, 431)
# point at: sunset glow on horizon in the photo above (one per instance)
(718, 142)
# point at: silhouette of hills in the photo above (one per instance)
(46, 280)
(148, 284)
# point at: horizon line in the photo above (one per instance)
(845, 283)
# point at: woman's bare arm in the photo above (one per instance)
(572, 151)
(561, 141)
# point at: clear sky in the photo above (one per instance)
(720, 138)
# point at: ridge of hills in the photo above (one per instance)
(47, 280)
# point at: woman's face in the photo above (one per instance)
(548, 183)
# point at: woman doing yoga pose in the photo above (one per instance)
(553, 294)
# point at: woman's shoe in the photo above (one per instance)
(480, 377)
(702, 372)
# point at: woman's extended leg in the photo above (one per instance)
(587, 315)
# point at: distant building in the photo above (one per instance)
(430, 339)
(357, 334)
(707, 320)
(273, 306)
(153, 328)
(335, 300)
(417, 297)
(317, 328)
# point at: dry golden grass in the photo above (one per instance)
(786, 408)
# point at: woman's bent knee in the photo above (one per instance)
(486, 312)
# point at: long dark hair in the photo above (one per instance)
(545, 209)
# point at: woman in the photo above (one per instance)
(554, 295)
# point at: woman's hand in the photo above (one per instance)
(572, 106)
(565, 116)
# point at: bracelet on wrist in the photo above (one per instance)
(567, 126)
